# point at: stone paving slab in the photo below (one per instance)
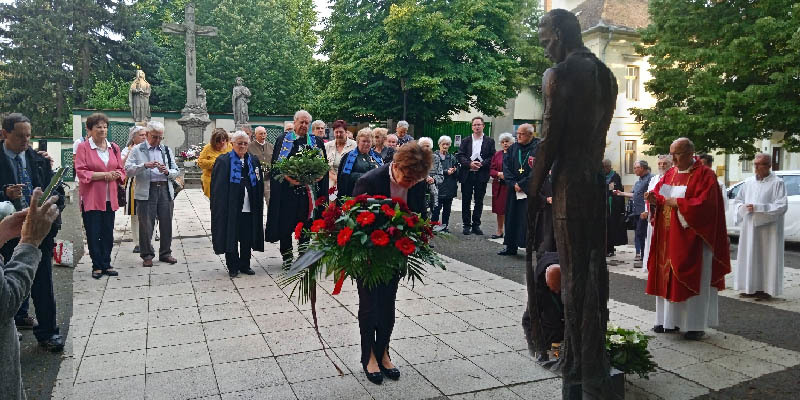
(187, 331)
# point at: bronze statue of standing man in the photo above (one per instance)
(579, 99)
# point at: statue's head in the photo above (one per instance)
(239, 81)
(140, 74)
(559, 33)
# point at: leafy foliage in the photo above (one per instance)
(627, 350)
(427, 59)
(110, 94)
(734, 78)
(306, 167)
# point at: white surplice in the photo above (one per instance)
(698, 312)
(759, 261)
(646, 255)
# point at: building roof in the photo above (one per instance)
(618, 14)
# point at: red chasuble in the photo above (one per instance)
(676, 252)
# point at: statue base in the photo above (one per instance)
(194, 126)
(586, 391)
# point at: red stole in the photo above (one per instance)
(676, 253)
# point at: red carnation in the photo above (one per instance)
(348, 205)
(379, 238)
(362, 198)
(402, 203)
(405, 245)
(411, 220)
(318, 225)
(320, 201)
(332, 190)
(298, 229)
(379, 197)
(344, 236)
(365, 218)
(388, 210)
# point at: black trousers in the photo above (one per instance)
(472, 186)
(44, 298)
(516, 224)
(376, 317)
(445, 204)
(301, 215)
(240, 261)
(99, 227)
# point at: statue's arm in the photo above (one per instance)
(553, 122)
(173, 28)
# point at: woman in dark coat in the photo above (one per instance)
(499, 188)
(237, 206)
(356, 163)
(449, 186)
(402, 178)
(616, 232)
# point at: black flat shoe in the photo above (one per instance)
(477, 231)
(55, 344)
(97, 274)
(248, 271)
(110, 272)
(467, 231)
(660, 329)
(374, 377)
(391, 373)
(694, 335)
(507, 252)
(497, 236)
(233, 274)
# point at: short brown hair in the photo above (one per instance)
(219, 135)
(480, 118)
(339, 124)
(95, 119)
(413, 160)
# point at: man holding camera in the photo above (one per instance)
(21, 170)
(153, 165)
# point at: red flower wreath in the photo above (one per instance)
(389, 211)
(365, 218)
(379, 238)
(344, 236)
(318, 225)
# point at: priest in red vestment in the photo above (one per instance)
(689, 254)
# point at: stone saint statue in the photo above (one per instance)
(241, 96)
(139, 98)
(579, 99)
(201, 98)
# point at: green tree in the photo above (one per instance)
(725, 73)
(110, 94)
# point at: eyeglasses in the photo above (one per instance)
(157, 137)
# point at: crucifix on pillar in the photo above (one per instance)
(195, 116)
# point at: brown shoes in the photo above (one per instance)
(147, 263)
(168, 259)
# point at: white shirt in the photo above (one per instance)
(334, 156)
(477, 143)
(246, 202)
(104, 157)
(156, 155)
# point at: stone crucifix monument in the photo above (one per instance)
(579, 99)
(195, 116)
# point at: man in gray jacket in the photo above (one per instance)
(31, 225)
(153, 166)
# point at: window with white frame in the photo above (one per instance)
(632, 83)
(630, 156)
(747, 165)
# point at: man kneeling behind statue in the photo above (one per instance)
(546, 327)
(31, 225)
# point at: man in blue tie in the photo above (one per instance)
(21, 170)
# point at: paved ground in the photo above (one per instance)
(188, 331)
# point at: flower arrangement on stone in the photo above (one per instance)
(191, 153)
(371, 238)
(627, 350)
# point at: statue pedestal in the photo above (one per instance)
(194, 126)
(615, 391)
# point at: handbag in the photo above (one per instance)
(122, 199)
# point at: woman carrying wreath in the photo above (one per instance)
(357, 163)
(237, 187)
(403, 178)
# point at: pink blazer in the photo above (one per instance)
(93, 193)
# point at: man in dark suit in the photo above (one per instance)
(21, 170)
(475, 156)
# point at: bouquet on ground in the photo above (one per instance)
(627, 350)
(370, 238)
(306, 167)
(191, 153)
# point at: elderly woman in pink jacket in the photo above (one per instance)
(100, 173)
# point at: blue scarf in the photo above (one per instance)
(236, 169)
(288, 144)
(351, 160)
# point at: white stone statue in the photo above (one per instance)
(139, 98)
(241, 96)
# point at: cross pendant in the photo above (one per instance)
(521, 170)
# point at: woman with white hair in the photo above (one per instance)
(449, 186)
(499, 188)
(136, 135)
(435, 176)
(237, 184)
(318, 129)
(356, 163)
